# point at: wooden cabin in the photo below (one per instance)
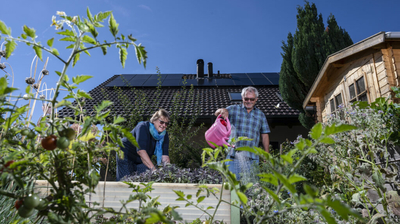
(361, 72)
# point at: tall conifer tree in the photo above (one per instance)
(304, 54)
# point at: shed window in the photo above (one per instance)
(335, 102)
(235, 96)
(357, 90)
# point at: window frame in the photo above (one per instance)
(356, 87)
(234, 98)
(333, 101)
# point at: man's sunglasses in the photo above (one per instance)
(250, 99)
(163, 122)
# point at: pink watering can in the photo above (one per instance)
(219, 132)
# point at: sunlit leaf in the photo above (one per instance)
(103, 105)
(131, 38)
(104, 49)
(63, 103)
(273, 195)
(55, 51)
(243, 198)
(327, 140)
(316, 131)
(84, 94)
(30, 32)
(288, 156)
(10, 47)
(89, 40)
(269, 177)
(81, 78)
(141, 54)
(123, 54)
(71, 39)
(38, 51)
(66, 33)
(101, 16)
(50, 42)
(76, 59)
(4, 29)
(113, 25)
(285, 182)
(89, 15)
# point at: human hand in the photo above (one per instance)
(223, 112)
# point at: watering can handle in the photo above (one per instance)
(227, 120)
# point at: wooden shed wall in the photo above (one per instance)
(380, 70)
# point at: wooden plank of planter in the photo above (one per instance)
(117, 191)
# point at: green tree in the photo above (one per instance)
(304, 54)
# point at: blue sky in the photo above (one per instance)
(235, 35)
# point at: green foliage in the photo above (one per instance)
(304, 54)
(360, 160)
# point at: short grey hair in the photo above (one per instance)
(160, 113)
(250, 89)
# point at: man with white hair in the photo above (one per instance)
(249, 121)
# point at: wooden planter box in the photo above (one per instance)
(116, 191)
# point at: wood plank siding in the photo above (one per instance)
(373, 63)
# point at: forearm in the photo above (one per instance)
(265, 141)
(146, 159)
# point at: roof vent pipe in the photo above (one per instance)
(200, 68)
(210, 69)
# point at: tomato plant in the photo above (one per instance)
(31, 135)
(63, 143)
(50, 142)
(31, 201)
(8, 163)
(69, 133)
(25, 212)
(25, 132)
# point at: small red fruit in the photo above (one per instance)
(223, 122)
(50, 142)
(18, 203)
(8, 163)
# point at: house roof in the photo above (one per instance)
(337, 59)
(212, 95)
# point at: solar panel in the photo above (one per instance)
(190, 82)
(151, 82)
(243, 82)
(261, 81)
(143, 76)
(209, 82)
(136, 82)
(156, 76)
(122, 80)
(225, 82)
(172, 82)
(238, 75)
(274, 80)
(255, 75)
(174, 76)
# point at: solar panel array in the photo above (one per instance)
(237, 79)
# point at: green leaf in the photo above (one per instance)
(141, 54)
(86, 126)
(63, 103)
(285, 182)
(30, 32)
(104, 49)
(288, 156)
(130, 137)
(119, 119)
(189, 196)
(10, 47)
(28, 89)
(89, 40)
(131, 38)
(101, 16)
(269, 177)
(301, 144)
(123, 54)
(316, 131)
(113, 25)
(38, 51)
(4, 29)
(328, 217)
(342, 209)
(310, 191)
(327, 140)
(55, 51)
(200, 199)
(71, 39)
(344, 128)
(242, 197)
(50, 42)
(89, 15)
(273, 195)
(67, 33)
(24, 36)
(103, 105)
(84, 94)
(92, 30)
(296, 178)
(76, 59)
(81, 78)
